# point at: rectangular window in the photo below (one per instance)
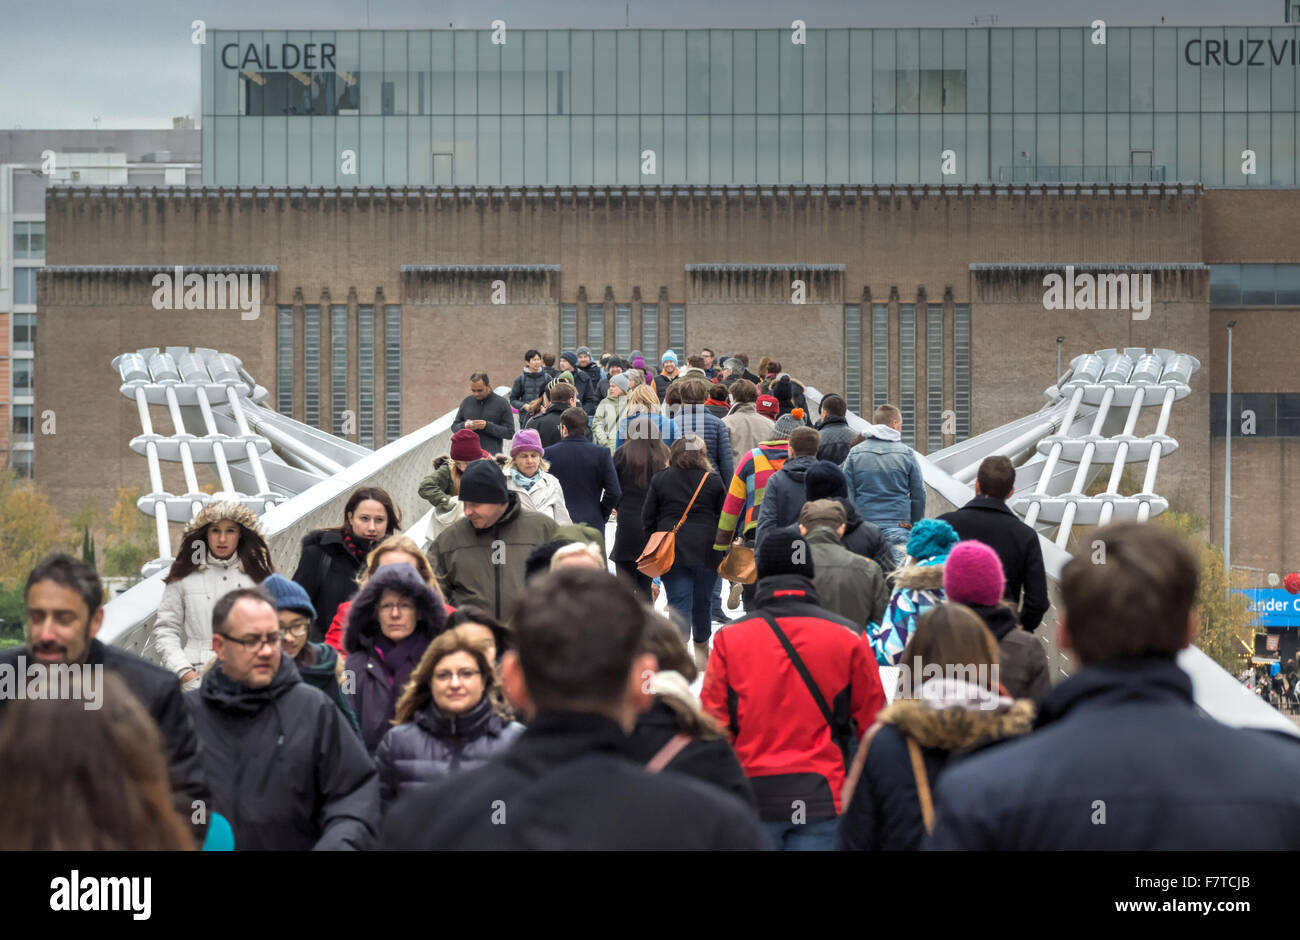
(392, 373)
(1257, 285)
(650, 333)
(568, 326)
(1225, 285)
(1266, 408)
(853, 356)
(961, 361)
(339, 368)
(677, 330)
(29, 239)
(596, 329)
(366, 375)
(284, 361)
(934, 378)
(21, 462)
(24, 285)
(22, 377)
(23, 427)
(907, 371)
(24, 332)
(622, 330)
(879, 355)
(311, 365)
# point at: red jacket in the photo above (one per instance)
(334, 635)
(780, 735)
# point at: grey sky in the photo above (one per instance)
(131, 62)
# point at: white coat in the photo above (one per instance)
(182, 629)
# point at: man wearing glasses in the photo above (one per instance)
(284, 765)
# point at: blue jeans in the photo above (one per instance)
(897, 538)
(816, 836)
(689, 595)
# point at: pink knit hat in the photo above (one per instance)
(973, 574)
(527, 439)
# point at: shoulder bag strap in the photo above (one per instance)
(807, 680)
(664, 756)
(859, 764)
(692, 502)
(922, 784)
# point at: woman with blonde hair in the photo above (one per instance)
(643, 418)
(395, 550)
(526, 474)
(447, 719)
(221, 550)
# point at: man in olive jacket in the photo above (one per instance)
(480, 559)
(846, 583)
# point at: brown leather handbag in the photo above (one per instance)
(738, 565)
(661, 547)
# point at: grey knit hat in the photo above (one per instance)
(784, 425)
(621, 380)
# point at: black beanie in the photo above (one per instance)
(483, 482)
(783, 390)
(783, 551)
(825, 480)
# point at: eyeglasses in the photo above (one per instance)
(400, 608)
(464, 675)
(255, 643)
(295, 630)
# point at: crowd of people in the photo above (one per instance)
(510, 684)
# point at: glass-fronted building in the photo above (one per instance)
(746, 106)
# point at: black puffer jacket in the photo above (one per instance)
(376, 682)
(712, 761)
(435, 744)
(327, 571)
(160, 694)
(784, 496)
(547, 424)
(865, 538)
(285, 768)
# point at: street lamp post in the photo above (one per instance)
(1059, 341)
(1227, 469)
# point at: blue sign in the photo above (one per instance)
(1273, 607)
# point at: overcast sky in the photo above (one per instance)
(131, 63)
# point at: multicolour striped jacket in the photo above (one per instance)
(745, 495)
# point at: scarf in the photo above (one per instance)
(357, 547)
(400, 659)
(525, 483)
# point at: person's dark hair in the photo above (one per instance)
(834, 406)
(539, 559)
(673, 396)
(548, 360)
(643, 456)
(379, 495)
(952, 635)
(804, 442)
(530, 354)
(743, 358)
(706, 349)
(418, 691)
(562, 392)
(253, 552)
(70, 573)
(689, 452)
(480, 377)
(101, 771)
(743, 391)
(1130, 594)
(574, 421)
(997, 477)
(773, 366)
(695, 362)
(664, 641)
(572, 661)
(226, 602)
(695, 390)
(886, 414)
(472, 613)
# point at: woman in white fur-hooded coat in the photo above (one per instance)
(526, 474)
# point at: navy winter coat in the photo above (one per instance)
(435, 744)
(696, 419)
(1122, 760)
(374, 690)
(784, 496)
(586, 474)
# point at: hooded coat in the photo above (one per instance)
(547, 424)
(1126, 733)
(463, 558)
(434, 744)
(182, 629)
(604, 427)
(884, 479)
(884, 813)
(435, 488)
(865, 538)
(1022, 658)
(847, 583)
(379, 667)
(917, 588)
(285, 768)
(784, 496)
(696, 419)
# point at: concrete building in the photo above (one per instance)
(31, 161)
(774, 163)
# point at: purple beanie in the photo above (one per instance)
(527, 439)
(973, 574)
